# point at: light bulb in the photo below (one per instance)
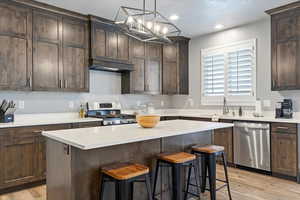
(157, 28)
(165, 30)
(149, 25)
(130, 19)
(140, 21)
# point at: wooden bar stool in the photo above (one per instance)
(208, 155)
(176, 161)
(124, 175)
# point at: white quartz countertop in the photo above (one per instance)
(46, 119)
(248, 116)
(98, 137)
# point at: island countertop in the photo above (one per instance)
(98, 137)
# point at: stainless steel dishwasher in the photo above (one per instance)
(252, 145)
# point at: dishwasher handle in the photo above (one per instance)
(251, 125)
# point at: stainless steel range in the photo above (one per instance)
(110, 115)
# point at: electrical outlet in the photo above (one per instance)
(21, 104)
(191, 102)
(71, 104)
(162, 103)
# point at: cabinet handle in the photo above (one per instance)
(66, 83)
(30, 81)
(40, 131)
(60, 83)
(282, 128)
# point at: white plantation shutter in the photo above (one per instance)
(229, 71)
(214, 75)
(240, 69)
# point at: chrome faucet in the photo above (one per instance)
(225, 107)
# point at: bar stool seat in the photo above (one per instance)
(180, 157)
(125, 171)
(208, 149)
(124, 175)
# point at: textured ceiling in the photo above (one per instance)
(197, 17)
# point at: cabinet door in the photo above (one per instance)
(285, 26)
(123, 47)
(170, 78)
(286, 65)
(153, 69)
(112, 44)
(75, 55)
(41, 146)
(153, 76)
(138, 75)
(284, 154)
(138, 59)
(47, 61)
(18, 155)
(98, 41)
(224, 137)
(137, 48)
(16, 47)
(170, 52)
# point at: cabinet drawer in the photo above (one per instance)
(86, 124)
(286, 128)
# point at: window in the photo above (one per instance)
(229, 71)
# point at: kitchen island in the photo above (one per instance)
(74, 157)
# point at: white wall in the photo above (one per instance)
(259, 30)
(104, 86)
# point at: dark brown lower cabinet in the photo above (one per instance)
(224, 137)
(23, 153)
(284, 149)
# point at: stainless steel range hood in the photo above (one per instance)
(109, 65)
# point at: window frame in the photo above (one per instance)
(225, 49)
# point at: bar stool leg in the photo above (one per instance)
(102, 188)
(188, 182)
(203, 172)
(177, 182)
(212, 176)
(226, 174)
(148, 185)
(155, 178)
(120, 190)
(131, 185)
(196, 173)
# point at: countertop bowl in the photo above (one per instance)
(148, 121)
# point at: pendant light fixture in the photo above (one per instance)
(146, 25)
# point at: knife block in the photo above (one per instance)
(7, 118)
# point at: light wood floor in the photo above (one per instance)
(244, 186)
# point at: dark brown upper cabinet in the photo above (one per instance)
(285, 33)
(147, 69)
(60, 53)
(47, 56)
(109, 46)
(175, 70)
(153, 69)
(75, 55)
(16, 46)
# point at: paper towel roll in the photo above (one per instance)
(258, 108)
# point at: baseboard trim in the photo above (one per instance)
(22, 187)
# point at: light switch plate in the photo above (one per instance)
(191, 102)
(162, 103)
(71, 104)
(21, 104)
